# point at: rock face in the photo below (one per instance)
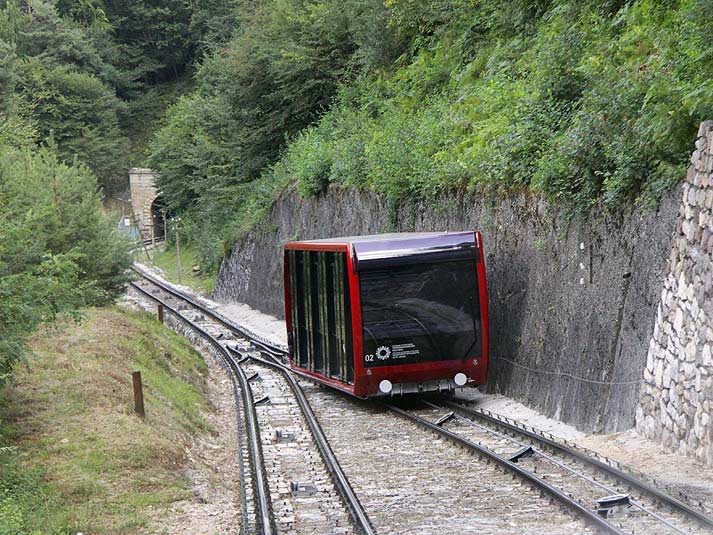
(676, 406)
(572, 301)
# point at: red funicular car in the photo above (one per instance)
(388, 314)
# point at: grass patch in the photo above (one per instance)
(73, 456)
(166, 261)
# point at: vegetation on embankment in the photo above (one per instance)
(586, 102)
(78, 79)
(73, 456)
(58, 252)
(92, 78)
(166, 260)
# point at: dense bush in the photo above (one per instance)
(79, 114)
(278, 74)
(93, 77)
(58, 252)
(587, 102)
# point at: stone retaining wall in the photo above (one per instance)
(143, 194)
(676, 405)
(572, 301)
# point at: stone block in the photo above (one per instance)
(666, 328)
(666, 377)
(696, 158)
(691, 174)
(704, 128)
(678, 322)
(687, 214)
(658, 373)
(650, 358)
(690, 351)
(693, 195)
(689, 371)
(690, 228)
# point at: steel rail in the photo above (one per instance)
(265, 517)
(275, 351)
(589, 516)
(359, 516)
(628, 479)
(235, 329)
(356, 510)
(584, 477)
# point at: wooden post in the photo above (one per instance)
(138, 394)
(178, 253)
(160, 312)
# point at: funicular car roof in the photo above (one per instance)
(396, 244)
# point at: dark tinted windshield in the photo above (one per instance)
(420, 312)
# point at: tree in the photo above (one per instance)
(80, 115)
(58, 252)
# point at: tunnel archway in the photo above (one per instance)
(158, 218)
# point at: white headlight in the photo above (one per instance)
(460, 379)
(385, 386)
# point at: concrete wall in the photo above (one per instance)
(143, 194)
(677, 398)
(572, 301)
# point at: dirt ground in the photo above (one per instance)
(214, 507)
(210, 464)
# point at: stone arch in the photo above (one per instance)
(143, 197)
(158, 217)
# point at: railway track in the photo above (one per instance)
(296, 484)
(608, 499)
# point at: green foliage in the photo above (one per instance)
(79, 114)
(155, 37)
(166, 261)
(277, 75)
(586, 103)
(589, 103)
(58, 81)
(57, 250)
(88, 75)
(73, 457)
(22, 494)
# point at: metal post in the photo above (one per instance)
(160, 313)
(178, 253)
(153, 236)
(138, 394)
(165, 229)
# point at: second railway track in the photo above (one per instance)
(296, 484)
(608, 499)
(643, 510)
